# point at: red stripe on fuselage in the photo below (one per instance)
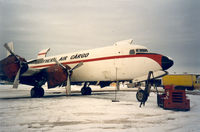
(155, 57)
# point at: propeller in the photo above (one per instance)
(69, 72)
(22, 64)
(76, 66)
(16, 81)
(11, 52)
(68, 87)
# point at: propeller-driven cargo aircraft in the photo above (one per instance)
(122, 61)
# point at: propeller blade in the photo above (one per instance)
(11, 52)
(16, 81)
(58, 63)
(68, 86)
(77, 66)
(8, 48)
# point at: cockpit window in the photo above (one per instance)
(132, 52)
(141, 50)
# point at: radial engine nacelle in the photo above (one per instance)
(56, 75)
(10, 66)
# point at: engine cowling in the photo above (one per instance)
(56, 76)
(10, 66)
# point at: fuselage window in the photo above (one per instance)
(132, 52)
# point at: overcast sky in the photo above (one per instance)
(169, 27)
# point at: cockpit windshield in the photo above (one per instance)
(138, 51)
(141, 50)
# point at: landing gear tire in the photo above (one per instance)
(37, 92)
(41, 92)
(141, 96)
(86, 91)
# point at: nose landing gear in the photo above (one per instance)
(142, 95)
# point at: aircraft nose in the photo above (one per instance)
(166, 63)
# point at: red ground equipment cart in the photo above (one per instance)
(174, 98)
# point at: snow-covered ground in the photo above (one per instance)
(95, 113)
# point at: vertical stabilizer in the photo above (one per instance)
(43, 53)
(10, 45)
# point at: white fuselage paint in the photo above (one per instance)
(105, 64)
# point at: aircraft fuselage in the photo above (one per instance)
(122, 61)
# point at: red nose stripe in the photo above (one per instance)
(155, 57)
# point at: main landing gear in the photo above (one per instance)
(86, 90)
(37, 92)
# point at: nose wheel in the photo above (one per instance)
(141, 96)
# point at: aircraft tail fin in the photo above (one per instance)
(10, 45)
(43, 53)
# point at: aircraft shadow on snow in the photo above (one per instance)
(54, 95)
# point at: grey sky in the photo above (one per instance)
(170, 27)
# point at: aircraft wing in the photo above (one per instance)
(31, 72)
(156, 74)
(33, 76)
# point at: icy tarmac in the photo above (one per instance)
(95, 113)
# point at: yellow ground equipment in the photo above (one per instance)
(189, 81)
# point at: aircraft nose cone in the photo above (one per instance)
(166, 63)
